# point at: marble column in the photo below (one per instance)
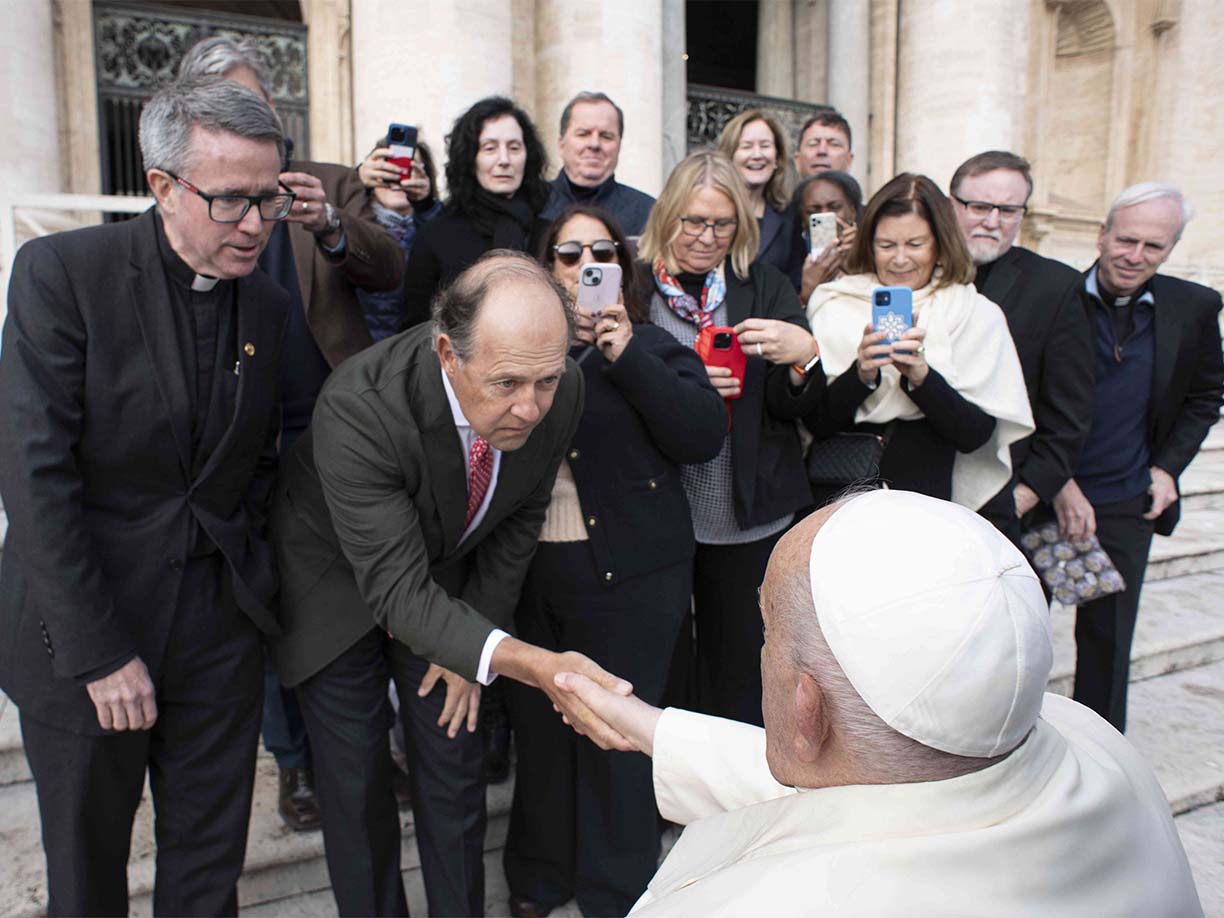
(850, 73)
(775, 74)
(961, 71)
(811, 19)
(675, 86)
(29, 160)
(421, 62)
(329, 62)
(612, 48)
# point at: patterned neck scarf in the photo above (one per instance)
(713, 292)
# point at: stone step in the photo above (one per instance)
(1180, 626)
(280, 864)
(1197, 545)
(1202, 835)
(1202, 484)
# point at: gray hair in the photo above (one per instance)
(456, 308)
(1151, 191)
(881, 754)
(217, 56)
(214, 105)
(591, 97)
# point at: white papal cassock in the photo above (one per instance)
(1071, 823)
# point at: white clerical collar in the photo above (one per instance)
(202, 283)
(457, 414)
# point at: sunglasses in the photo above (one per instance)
(602, 250)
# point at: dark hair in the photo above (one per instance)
(589, 98)
(829, 117)
(914, 194)
(463, 143)
(425, 156)
(456, 307)
(844, 182)
(989, 162)
(635, 303)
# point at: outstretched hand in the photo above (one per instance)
(631, 717)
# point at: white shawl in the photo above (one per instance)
(967, 341)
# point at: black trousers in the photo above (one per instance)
(200, 759)
(1104, 628)
(729, 633)
(584, 821)
(348, 717)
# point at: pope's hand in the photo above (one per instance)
(631, 717)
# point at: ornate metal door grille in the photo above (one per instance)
(711, 107)
(138, 46)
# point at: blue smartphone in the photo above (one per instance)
(892, 311)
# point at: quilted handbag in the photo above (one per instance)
(846, 458)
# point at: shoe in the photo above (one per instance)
(526, 908)
(497, 757)
(297, 803)
(401, 786)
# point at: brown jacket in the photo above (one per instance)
(371, 259)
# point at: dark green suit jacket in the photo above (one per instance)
(370, 507)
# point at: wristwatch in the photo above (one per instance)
(803, 369)
(333, 221)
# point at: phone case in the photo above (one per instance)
(895, 317)
(822, 230)
(732, 358)
(598, 287)
(402, 154)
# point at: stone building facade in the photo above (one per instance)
(1096, 93)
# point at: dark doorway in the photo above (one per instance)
(721, 43)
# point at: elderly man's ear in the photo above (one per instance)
(811, 720)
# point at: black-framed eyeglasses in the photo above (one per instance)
(602, 250)
(695, 226)
(1007, 212)
(231, 208)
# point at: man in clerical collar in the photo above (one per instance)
(1159, 383)
(138, 395)
(592, 127)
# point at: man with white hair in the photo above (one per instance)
(910, 761)
(1158, 389)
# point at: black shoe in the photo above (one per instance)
(297, 803)
(525, 908)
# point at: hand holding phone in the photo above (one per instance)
(892, 311)
(402, 140)
(719, 349)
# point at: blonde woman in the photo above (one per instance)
(699, 246)
(755, 143)
(949, 395)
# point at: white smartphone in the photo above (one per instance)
(822, 231)
(598, 288)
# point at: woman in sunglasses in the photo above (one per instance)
(701, 241)
(612, 579)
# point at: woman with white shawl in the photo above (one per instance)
(952, 383)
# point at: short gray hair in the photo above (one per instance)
(591, 98)
(1151, 191)
(217, 56)
(215, 105)
(456, 308)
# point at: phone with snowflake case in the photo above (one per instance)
(892, 311)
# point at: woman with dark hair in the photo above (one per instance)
(829, 192)
(496, 189)
(947, 396)
(612, 578)
(402, 205)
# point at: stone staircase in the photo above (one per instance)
(1176, 720)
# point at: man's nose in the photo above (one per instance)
(991, 220)
(252, 221)
(526, 409)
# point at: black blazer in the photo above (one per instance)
(768, 477)
(95, 463)
(645, 414)
(444, 248)
(781, 243)
(370, 507)
(1040, 298)
(1187, 375)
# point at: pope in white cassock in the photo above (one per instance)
(911, 762)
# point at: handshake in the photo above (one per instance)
(597, 704)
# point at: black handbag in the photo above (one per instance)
(847, 458)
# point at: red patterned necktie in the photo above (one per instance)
(480, 473)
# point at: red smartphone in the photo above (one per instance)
(717, 346)
(402, 139)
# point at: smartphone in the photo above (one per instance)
(822, 232)
(717, 346)
(598, 288)
(892, 311)
(402, 139)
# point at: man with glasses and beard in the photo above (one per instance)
(138, 396)
(1039, 297)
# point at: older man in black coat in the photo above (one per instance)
(138, 395)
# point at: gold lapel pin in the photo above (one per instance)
(249, 348)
